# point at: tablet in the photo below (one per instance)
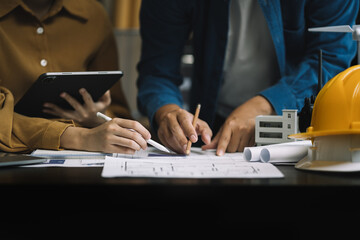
(49, 86)
(8, 159)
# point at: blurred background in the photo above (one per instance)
(124, 15)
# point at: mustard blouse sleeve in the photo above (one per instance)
(19, 133)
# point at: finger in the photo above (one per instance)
(123, 141)
(88, 100)
(121, 149)
(73, 102)
(246, 141)
(204, 130)
(127, 138)
(168, 141)
(177, 138)
(57, 111)
(185, 121)
(235, 141)
(173, 128)
(133, 130)
(115, 148)
(170, 132)
(106, 98)
(224, 140)
(171, 135)
(213, 144)
(252, 140)
(163, 135)
(135, 125)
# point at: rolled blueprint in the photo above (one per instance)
(252, 154)
(282, 152)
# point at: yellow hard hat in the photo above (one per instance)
(335, 126)
(337, 107)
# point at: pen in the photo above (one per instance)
(197, 111)
(150, 141)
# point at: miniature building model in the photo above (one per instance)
(276, 129)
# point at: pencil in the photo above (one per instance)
(196, 116)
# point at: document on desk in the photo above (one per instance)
(69, 158)
(69, 163)
(199, 164)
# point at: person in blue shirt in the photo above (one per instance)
(250, 58)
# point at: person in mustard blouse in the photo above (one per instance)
(38, 36)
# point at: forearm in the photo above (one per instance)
(255, 106)
(264, 107)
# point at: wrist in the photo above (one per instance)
(72, 138)
(264, 106)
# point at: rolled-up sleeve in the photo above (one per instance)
(302, 47)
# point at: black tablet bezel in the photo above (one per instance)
(49, 86)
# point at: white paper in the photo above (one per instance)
(285, 153)
(70, 163)
(290, 152)
(67, 154)
(69, 158)
(199, 164)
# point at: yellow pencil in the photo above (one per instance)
(196, 116)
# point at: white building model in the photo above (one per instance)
(276, 129)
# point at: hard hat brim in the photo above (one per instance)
(310, 135)
(327, 166)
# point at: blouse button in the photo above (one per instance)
(43, 62)
(40, 30)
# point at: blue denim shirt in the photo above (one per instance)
(167, 24)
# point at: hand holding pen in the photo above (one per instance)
(110, 137)
(114, 137)
(177, 127)
(149, 141)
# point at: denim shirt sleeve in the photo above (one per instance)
(164, 31)
(302, 48)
